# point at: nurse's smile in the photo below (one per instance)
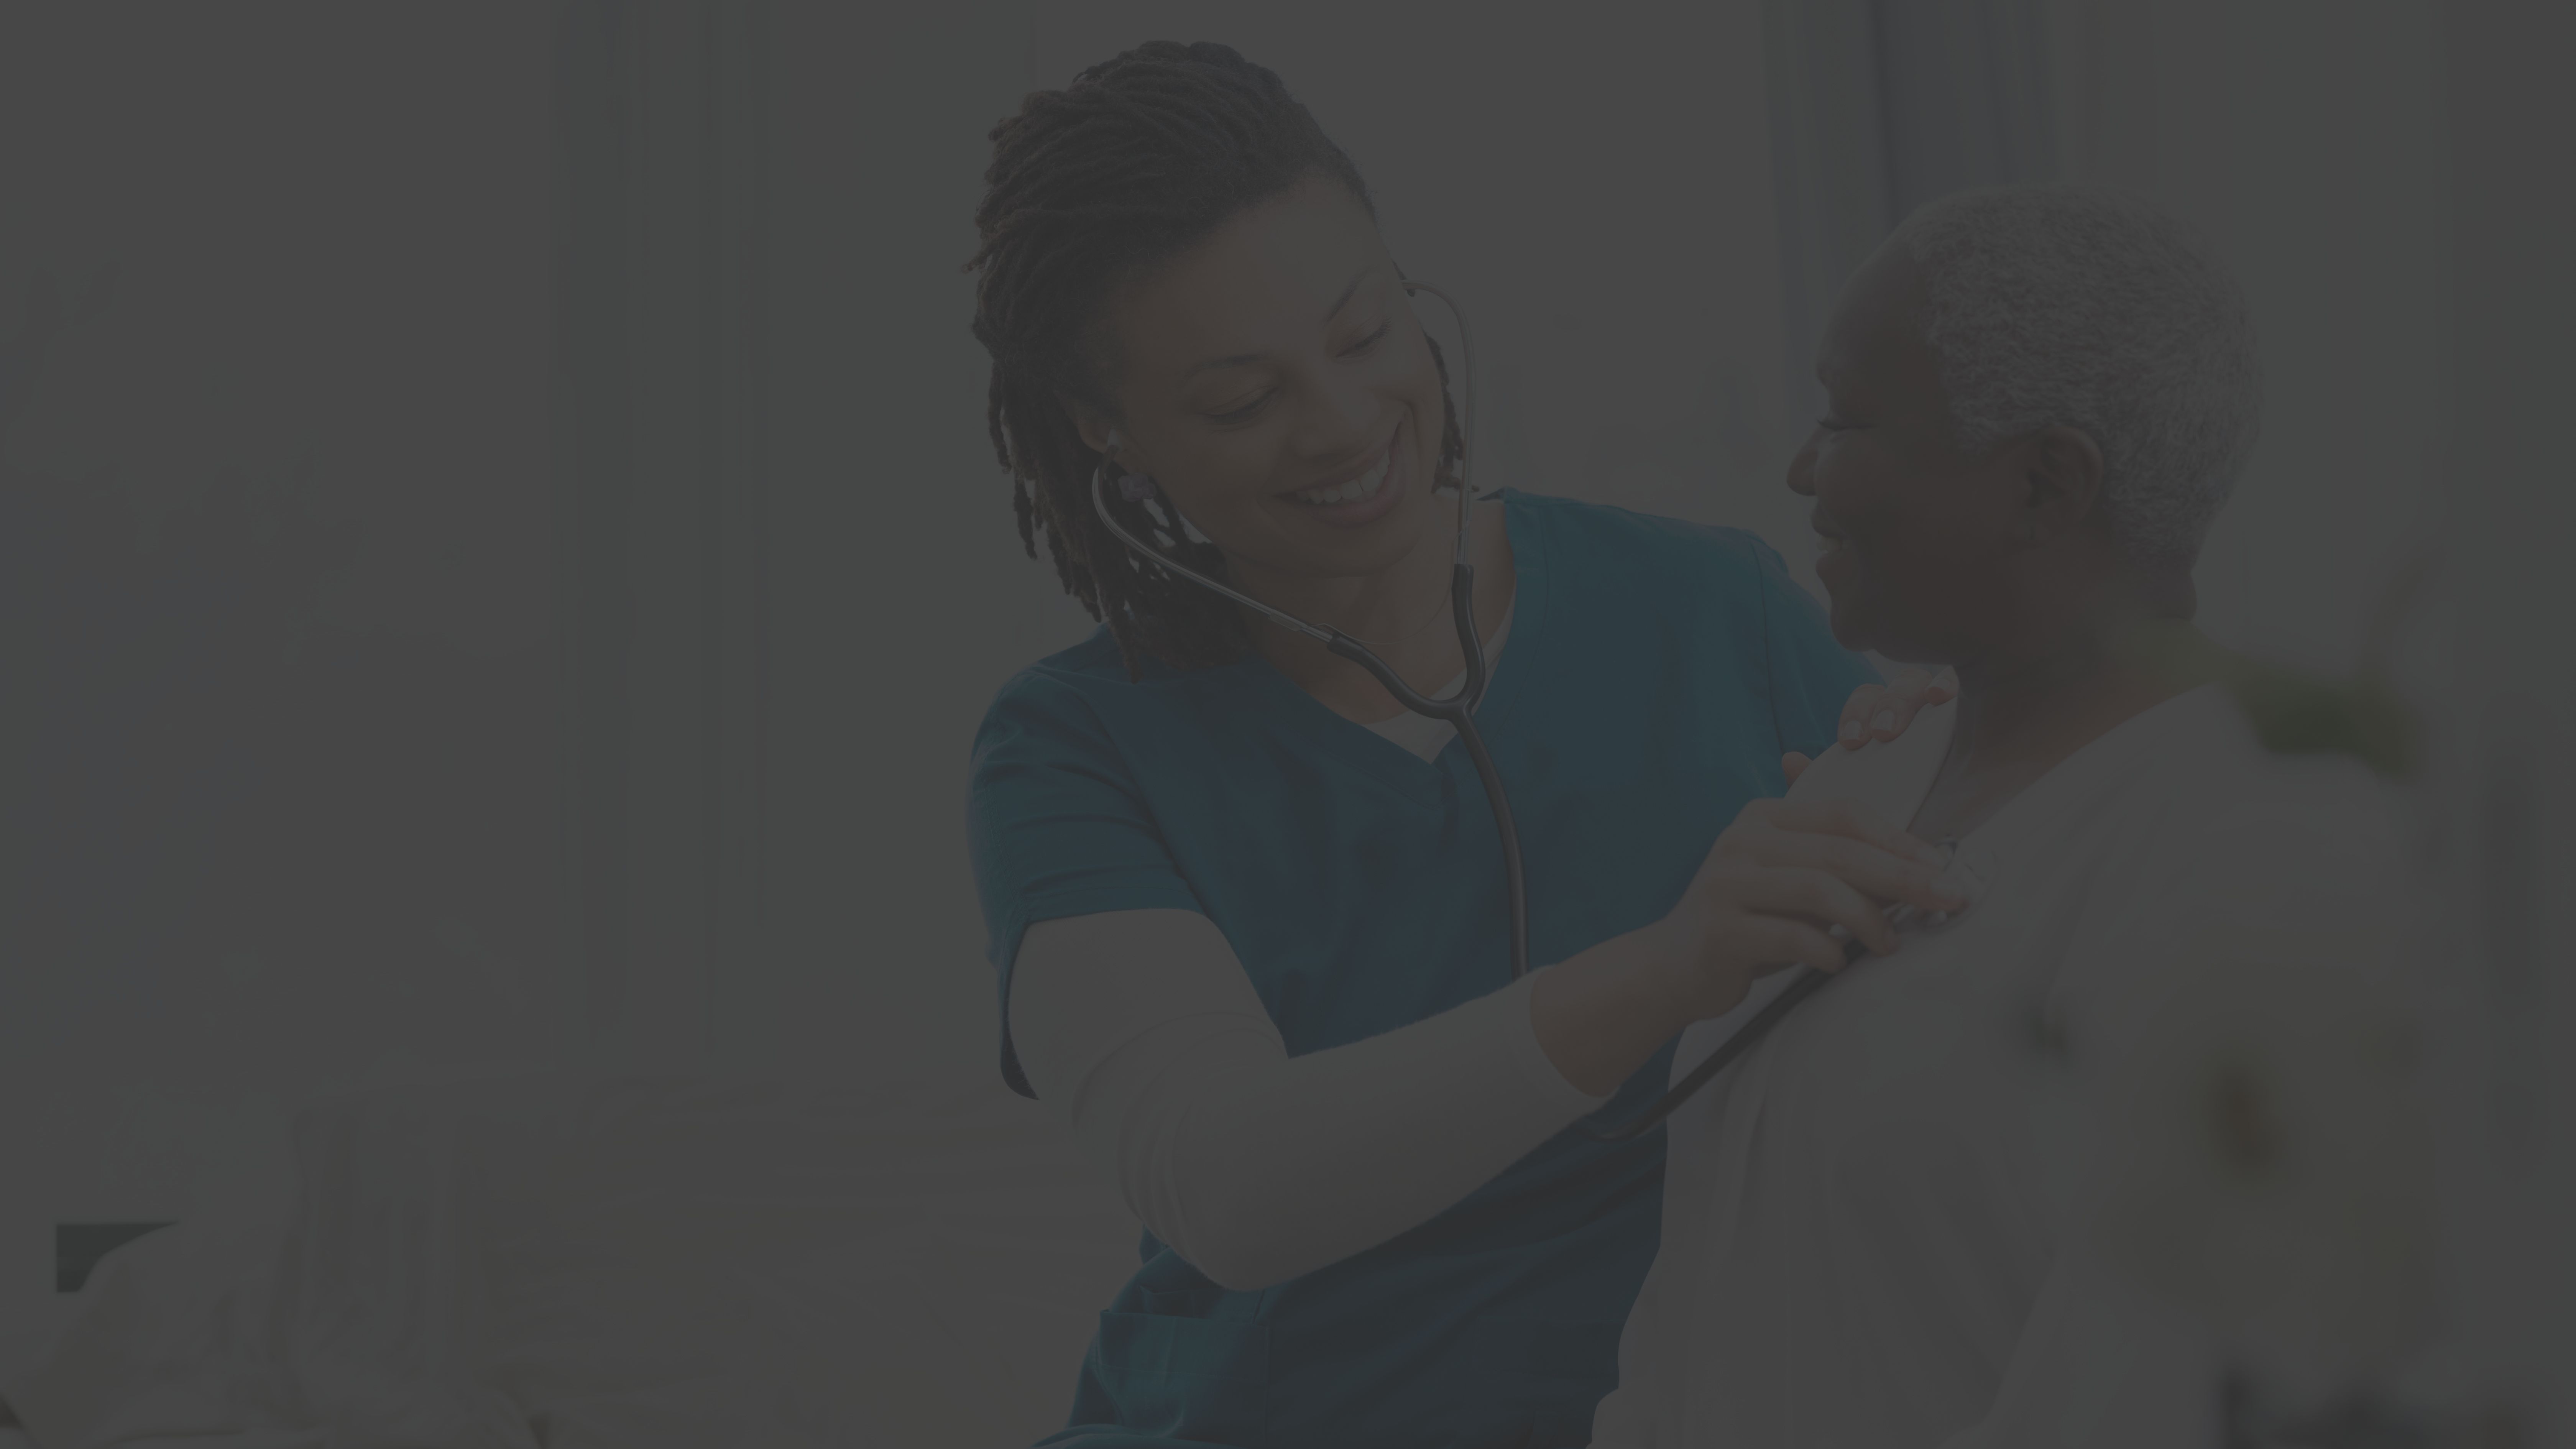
(1365, 492)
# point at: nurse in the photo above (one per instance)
(1248, 915)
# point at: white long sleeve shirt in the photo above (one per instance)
(1252, 1166)
(1869, 1235)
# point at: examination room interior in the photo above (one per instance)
(505, 561)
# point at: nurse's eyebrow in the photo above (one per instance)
(1244, 358)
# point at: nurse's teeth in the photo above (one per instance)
(1358, 488)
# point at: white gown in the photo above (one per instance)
(1866, 1232)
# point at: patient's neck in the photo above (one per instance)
(2024, 710)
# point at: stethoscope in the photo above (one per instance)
(1459, 712)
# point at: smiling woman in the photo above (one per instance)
(1983, 344)
(1066, 243)
(1249, 930)
(1309, 453)
(2039, 396)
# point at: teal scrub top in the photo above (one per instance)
(1655, 673)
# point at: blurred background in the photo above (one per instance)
(502, 558)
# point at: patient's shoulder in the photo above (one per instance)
(2298, 866)
(2283, 867)
(2329, 800)
(2213, 829)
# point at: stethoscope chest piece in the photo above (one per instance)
(1971, 866)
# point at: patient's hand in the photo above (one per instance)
(1882, 711)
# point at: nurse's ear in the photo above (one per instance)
(1107, 441)
(1098, 433)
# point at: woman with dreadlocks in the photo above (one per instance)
(1246, 912)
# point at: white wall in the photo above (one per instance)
(2486, 658)
(899, 599)
(275, 797)
(2311, 140)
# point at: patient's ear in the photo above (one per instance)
(2061, 472)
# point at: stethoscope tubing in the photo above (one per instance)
(1458, 710)
(1809, 982)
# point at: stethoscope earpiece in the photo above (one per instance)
(1134, 487)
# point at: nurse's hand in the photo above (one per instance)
(1882, 711)
(1776, 881)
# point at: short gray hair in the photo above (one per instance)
(2093, 309)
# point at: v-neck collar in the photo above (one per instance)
(1316, 726)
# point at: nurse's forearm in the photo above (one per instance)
(1259, 1171)
(1602, 1014)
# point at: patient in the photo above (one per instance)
(2039, 399)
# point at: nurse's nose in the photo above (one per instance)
(1343, 413)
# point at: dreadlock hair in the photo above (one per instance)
(1143, 157)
